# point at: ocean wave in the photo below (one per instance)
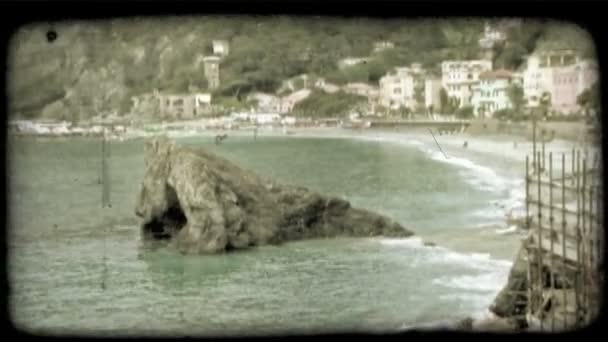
(488, 282)
(444, 256)
(480, 261)
(414, 241)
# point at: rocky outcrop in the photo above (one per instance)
(202, 203)
(512, 299)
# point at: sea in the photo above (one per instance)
(78, 268)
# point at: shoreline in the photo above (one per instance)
(480, 148)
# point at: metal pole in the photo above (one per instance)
(543, 149)
(527, 194)
(540, 248)
(590, 247)
(102, 178)
(552, 235)
(584, 242)
(526, 242)
(578, 242)
(564, 239)
(573, 170)
(534, 167)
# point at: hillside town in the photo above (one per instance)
(549, 83)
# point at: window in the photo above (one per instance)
(397, 91)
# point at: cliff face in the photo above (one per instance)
(201, 203)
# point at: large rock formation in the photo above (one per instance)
(202, 203)
(512, 299)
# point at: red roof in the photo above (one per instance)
(495, 74)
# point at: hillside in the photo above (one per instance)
(96, 67)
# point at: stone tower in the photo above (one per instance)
(212, 71)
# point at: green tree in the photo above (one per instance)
(516, 97)
(465, 112)
(545, 103)
(419, 98)
(444, 101)
(589, 99)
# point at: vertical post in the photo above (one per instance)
(584, 242)
(542, 167)
(534, 167)
(552, 237)
(578, 242)
(527, 241)
(591, 249)
(564, 239)
(103, 168)
(540, 247)
(600, 246)
(573, 169)
(527, 194)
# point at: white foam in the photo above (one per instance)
(509, 230)
(488, 282)
(480, 261)
(414, 241)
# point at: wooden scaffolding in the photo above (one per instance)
(564, 247)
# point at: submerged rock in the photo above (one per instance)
(202, 203)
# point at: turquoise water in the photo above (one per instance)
(75, 267)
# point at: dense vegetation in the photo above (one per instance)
(321, 104)
(97, 67)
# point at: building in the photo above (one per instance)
(383, 45)
(352, 61)
(362, 89)
(432, 94)
(559, 77)
(492, 92)
(184, 106)
(221, 48)
(399, 88)
(266, 102)
(212, 71)
(265, 118)
(491, 37)
(459, 77)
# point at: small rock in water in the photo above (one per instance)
(430, 244)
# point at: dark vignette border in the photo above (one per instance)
(587, 14)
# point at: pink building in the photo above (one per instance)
(562, 77)
(567, 83)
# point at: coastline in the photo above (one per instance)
(481, 149)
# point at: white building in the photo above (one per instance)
(266, 102)
(491, 36)
(558, 76)
(492, 92)
(265, 118)
(459, 77)
(398, 88)
(362, 89)
(432, 91)
(221, 47)
(184, 106)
